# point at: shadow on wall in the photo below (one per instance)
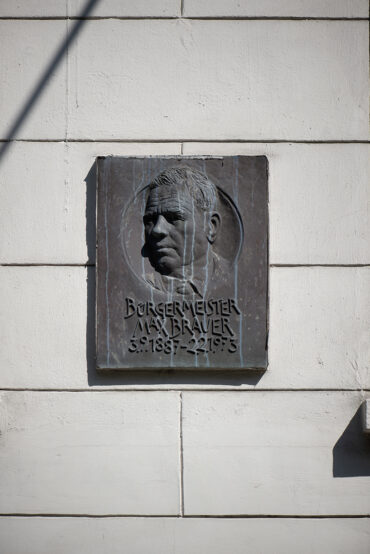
(351, 453)
(139, 378)
(45, 77)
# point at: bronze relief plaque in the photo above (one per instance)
(182, 263)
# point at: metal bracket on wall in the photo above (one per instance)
(366, 416)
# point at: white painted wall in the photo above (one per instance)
(153, 454)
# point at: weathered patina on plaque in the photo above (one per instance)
(182, 264)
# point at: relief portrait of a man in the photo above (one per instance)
(182, 262)
(181, 222)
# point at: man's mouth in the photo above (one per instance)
(161, 248)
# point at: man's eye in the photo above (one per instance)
(172, 217)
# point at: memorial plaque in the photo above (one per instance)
(182, 263)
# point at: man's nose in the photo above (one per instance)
(160, 227)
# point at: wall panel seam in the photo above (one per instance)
(156, 388)
(172, 141)
(66, 114)
(181, 459)
(176, 17)
(43, 264)
(190, 516)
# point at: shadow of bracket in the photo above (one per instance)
(351, 453)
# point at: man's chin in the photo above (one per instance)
(164, 265)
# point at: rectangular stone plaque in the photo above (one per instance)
(182, 263)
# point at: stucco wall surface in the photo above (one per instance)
(183, 463)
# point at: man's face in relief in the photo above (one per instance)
(175, 231)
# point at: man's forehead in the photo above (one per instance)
(170, 197)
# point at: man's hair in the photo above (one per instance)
(202, 190)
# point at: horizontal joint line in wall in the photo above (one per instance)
(94, 265)
(174, 516)
(178, 516)
(190, 141)
(45, 265)
(276, 516)
(156, 388)
(176, 17)
(319, 265)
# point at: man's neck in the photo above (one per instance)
(194, 270)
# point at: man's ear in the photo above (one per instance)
(214, 225)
